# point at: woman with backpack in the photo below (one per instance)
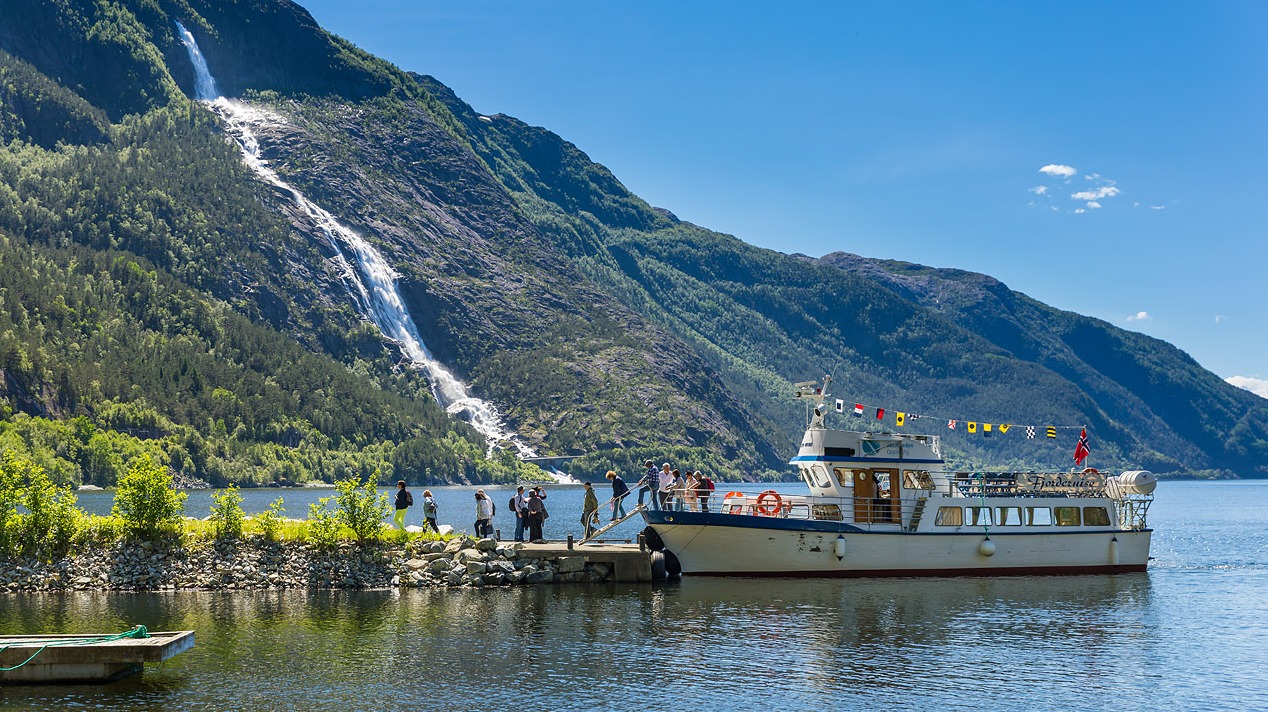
(429, 512)
(403, 501)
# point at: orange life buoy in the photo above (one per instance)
(768, 503)
(733, 494)
(1091, 471)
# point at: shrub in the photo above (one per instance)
(362, 508)
(146, 502)
(48, 518)
(323, 527)
(270, 520)
(226, 513)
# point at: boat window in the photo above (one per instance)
(845, 476)
(1067, 516)
(1008, 516)
(827, 511)
(981, 516)
(1095, 517)
(1038, 517)
(805, 475)
(917, 479)
(949, 517)
(821, 474)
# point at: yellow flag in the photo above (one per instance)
(986, 429)
(1052, 431)
(1003, 428)
(900, 419)
(972, 427)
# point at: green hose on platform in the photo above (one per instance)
(137, 632)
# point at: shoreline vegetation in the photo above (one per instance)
(48, 544)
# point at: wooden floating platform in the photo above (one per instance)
(628, 562)
(89, 662)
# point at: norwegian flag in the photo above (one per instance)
(1081, 450)
(858, 409)
(951, 425)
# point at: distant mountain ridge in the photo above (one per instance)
(601, 325)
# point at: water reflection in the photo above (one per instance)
(1190, 631)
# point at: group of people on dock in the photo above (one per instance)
(668, 488)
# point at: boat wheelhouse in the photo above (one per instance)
(883, 504)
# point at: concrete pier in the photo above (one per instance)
(94, 662)
(627, 561)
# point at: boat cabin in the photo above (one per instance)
(873, 470)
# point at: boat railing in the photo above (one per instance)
(1025, 484)
(864, 512)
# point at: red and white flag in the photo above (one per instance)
(1081, 450)
(951, 425)
(858, 409)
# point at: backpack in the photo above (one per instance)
(511, 503)
(409, 498)
(430, 508)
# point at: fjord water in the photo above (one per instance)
(1188, 634)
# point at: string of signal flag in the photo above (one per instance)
(971, 426)
(1081, 451)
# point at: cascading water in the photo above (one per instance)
(368, 277)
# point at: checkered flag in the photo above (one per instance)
(1030, 432)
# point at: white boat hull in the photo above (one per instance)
(740, 545)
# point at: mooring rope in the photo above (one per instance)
(137, 632)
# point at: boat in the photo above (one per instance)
(884, 504)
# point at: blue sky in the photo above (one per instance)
(1105, 158)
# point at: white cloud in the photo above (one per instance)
(1105, 191)
(1040, 190)
(1054, 169)
(1258, 386)
(1079, 211)
(1140, 316)
(1219, 318)
(1093, 204)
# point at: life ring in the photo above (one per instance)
(1093, 478)
(1091, 471)
(768, 503)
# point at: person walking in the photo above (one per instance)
(403, 501)
(484, 515)
(620, 491)
(664, 487)
(519, 505)
(429, 512)
(677, 490)
(704, 490)
(648, 485)
(589, 510)
(689, 492)
(536, 508)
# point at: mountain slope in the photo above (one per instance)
(597, 323)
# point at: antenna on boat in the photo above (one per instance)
(819, 394)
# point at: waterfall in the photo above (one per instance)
(369, 278)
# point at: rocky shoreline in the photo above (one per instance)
(258, 564)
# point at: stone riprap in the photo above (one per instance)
(256, 564)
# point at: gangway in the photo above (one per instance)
(595, 534)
